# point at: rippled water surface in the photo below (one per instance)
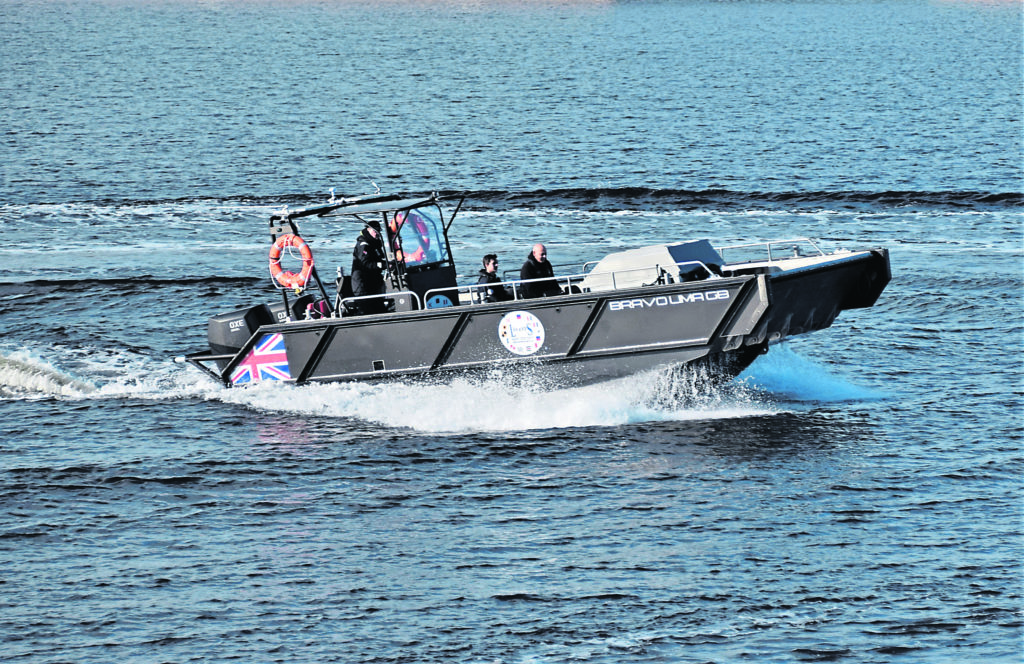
(855, 496)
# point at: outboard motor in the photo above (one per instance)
(298, 309)
(228, 332)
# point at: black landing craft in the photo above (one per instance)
(662, 305)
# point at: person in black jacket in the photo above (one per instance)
(489, 275)
(368, 269)
(538, 267)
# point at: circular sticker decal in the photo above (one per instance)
(439, 302)
(521, 332)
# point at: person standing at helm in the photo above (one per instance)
(538, 267)
(368, 269)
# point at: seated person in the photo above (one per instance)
(489, 275)
(538, 267)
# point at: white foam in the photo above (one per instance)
(24, 375)
(495, 401)
(96, 374)
(130, 375)
(486, 403)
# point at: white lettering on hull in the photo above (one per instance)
(668, 300)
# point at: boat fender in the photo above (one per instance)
(291, 279)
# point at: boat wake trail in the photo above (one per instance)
(95, 373)
(22, 376)
(500, 400)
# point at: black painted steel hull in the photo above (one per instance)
(573, 339)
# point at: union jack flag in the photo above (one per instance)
(266, 361)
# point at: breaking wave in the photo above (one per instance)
(96, 373)
(642, 198)
(622, 198)
(122, 286)
(23, 376)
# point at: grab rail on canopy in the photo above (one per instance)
(792, 245)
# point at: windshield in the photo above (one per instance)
(420, 236)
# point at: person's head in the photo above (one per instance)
(373, 228)
(540, 253)
(491, 263)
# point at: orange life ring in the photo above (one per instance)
(291, 279)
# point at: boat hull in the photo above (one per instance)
(569, 339)
(811, 299)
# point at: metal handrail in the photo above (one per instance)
(565, 281)
(657, 267)
(554, 266)
(474, 289)
(767, 246)
(383, 296)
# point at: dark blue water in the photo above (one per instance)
(854, 497)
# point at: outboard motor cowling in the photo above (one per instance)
(228, 332)
(298, 309)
